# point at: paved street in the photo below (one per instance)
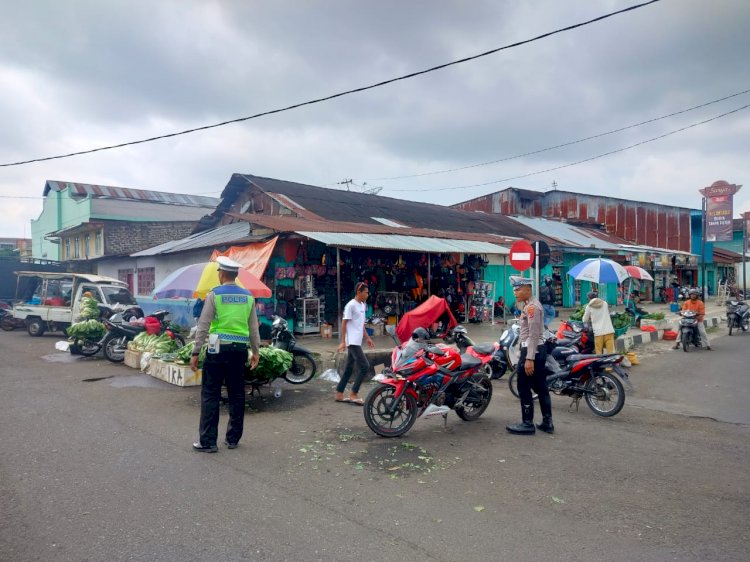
(97, 465)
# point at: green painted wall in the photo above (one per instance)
(59, 211)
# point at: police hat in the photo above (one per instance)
(225, 264)
(518, 281)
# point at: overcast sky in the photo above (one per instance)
(77, 75)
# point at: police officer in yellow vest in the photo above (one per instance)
(229, 323)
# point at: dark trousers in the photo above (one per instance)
(224, 368)
(355, 358)
(536, 382)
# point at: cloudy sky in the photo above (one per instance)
(78, 75)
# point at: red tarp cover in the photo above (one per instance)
(425, 315)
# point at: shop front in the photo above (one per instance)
(313, 274)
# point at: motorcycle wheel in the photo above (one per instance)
(302, 369)
(378, 418)
(179, 339)
(114, 349)
(514, 387)
(478, 399)
(8, 324)
(605, 395)
(731, 325)
(685, 337)
(745, 324)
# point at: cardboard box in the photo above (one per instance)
(326, 331)
(133, 359)
(178, 375)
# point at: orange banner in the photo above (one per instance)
(253, 257)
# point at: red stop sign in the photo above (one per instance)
(522, 255)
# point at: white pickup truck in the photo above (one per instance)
(52, 301)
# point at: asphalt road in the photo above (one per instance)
(96, 464)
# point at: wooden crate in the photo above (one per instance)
(133, 359)
(178, 375)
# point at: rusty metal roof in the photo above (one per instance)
(361, 208)
(285, 223)
(82, 190)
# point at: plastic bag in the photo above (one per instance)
(146, 363)
(331, 375)
(62, 345)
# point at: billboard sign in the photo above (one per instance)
(718, 209)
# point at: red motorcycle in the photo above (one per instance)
(426, 380)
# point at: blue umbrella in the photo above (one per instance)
(599, 270)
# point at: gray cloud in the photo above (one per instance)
(82, 74)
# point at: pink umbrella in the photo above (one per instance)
(638, 273)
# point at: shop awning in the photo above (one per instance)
(253, 257)
(404, 243)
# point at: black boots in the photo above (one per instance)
(545, 405)
(526, 427)
(547, 426)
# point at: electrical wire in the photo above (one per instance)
(562, 145)
(338, 95)
(573, 163)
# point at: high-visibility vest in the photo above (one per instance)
(233, 308)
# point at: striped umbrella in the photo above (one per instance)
(599, 270)
(638, 273)
(197, 279)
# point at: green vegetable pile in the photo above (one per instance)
(160, 344)
(90, 330)
(89, 308)
(184, 353)
(578, 313)
(654, 316)
(272, 362)
(620, 320)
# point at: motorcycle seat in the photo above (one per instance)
(485, 348)
(469, 361)
(581, 356)
(130, 329)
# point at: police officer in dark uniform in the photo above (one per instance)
(229, 323)
(530, 370)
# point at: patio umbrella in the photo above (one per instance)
(638, 273)
(599, 270)
(197, 279)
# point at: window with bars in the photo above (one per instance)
(146, 277)
(98, 243)
(66, 254)
(77, 247)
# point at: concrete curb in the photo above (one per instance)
(627, 342)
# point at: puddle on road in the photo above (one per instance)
(66, 358)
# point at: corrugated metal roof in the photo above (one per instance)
(229, 233)
(338, 205)
(568, 235)
(104, 191)
(144, 211)
(405, 243)
(286, 223)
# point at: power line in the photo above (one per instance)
(340, 94)
(579, 161)
(562, 145)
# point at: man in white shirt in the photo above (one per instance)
(352, 333)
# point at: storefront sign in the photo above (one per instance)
(718, 210)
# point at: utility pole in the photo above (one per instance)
(745, 248)
(554, 185)
(347, 183)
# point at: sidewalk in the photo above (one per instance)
(486, 332)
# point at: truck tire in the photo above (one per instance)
(35, 327)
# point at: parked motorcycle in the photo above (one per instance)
(114, 343)
(591, 377)
(738, 315)
(303, 364)
(8, 322)
(689, 334)
(426, 380)
(496, 367)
